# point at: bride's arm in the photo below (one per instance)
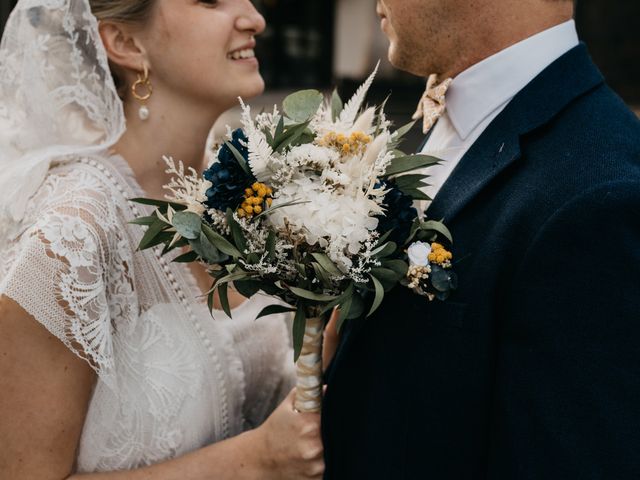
(45, 391)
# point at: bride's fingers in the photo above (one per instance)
(331, 339)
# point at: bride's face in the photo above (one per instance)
(202, 51)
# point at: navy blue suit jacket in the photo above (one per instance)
(532, 369)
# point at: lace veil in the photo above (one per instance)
(57, 98)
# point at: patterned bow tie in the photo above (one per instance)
(432, 104)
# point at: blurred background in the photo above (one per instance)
(327, 43)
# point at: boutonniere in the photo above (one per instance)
(430, 273)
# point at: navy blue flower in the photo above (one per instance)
(399, 213)
(227, 176)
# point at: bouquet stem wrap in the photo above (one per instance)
(309, 368)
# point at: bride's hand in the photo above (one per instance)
(291, 443)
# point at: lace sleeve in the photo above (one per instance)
(70, 271)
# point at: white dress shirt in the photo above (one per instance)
(480, 93)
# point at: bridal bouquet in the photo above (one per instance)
(311, 204)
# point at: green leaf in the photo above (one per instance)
(299, 326)
(207, 250)
(144, 221)
(239, 158)
(348, 292)
(247, 288)
(357, 307)
(188, 224)
(302, 105)
(232, 277)
(270, 246)
(437, 227)
(402, 131)
(386, 275)
(415, 193)
(151, 234)
(337, 105)
(220, 242)
(210, 297)
(292, 134)
(306, 294)
(236, 231)
(398, 266)
(327, 264)
(385, 250)
(159, 203)
(267, 133)
(321, 274)
(410, 163)
(187, 257)
(440, 279)
(415, 180)
(279, 127)
(223, 294)
(274, 310)
(270, 210)
(345, 308)
(379, 295)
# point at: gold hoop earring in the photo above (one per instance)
(142, 91)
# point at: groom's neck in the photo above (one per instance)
(500, 26)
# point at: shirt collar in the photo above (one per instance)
(481, 89)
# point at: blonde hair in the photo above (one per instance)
(124, 11)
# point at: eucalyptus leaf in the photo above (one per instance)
(159, 203)
(274, 310)
(379, 295)
(306, 294)
(398, 266)
(440, 279)
(236, 231)
(207, 250)
(299, 326)
(297, 132)
(302, 105)
(150, 235)
(348, 292)
(220, 242)
(270, 246)
(187, 224)
(337, 105)
(223, 294)
(186, 257)
(402, 131)
(385, 250)
(321, 275)
(326, 263)
(414, 180)
(279, 127)
(357, 307)
(410, 163)
(438, 227)
(345, 308)
(386, 276)
(415, 194)
(247, 288)
(239, 158)
(144, 221)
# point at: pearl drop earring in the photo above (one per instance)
(142, 90)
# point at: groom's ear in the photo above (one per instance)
(127, 55)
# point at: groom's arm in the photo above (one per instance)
(567, 392)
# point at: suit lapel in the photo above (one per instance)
(568, 78)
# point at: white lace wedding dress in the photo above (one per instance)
(170, 378)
